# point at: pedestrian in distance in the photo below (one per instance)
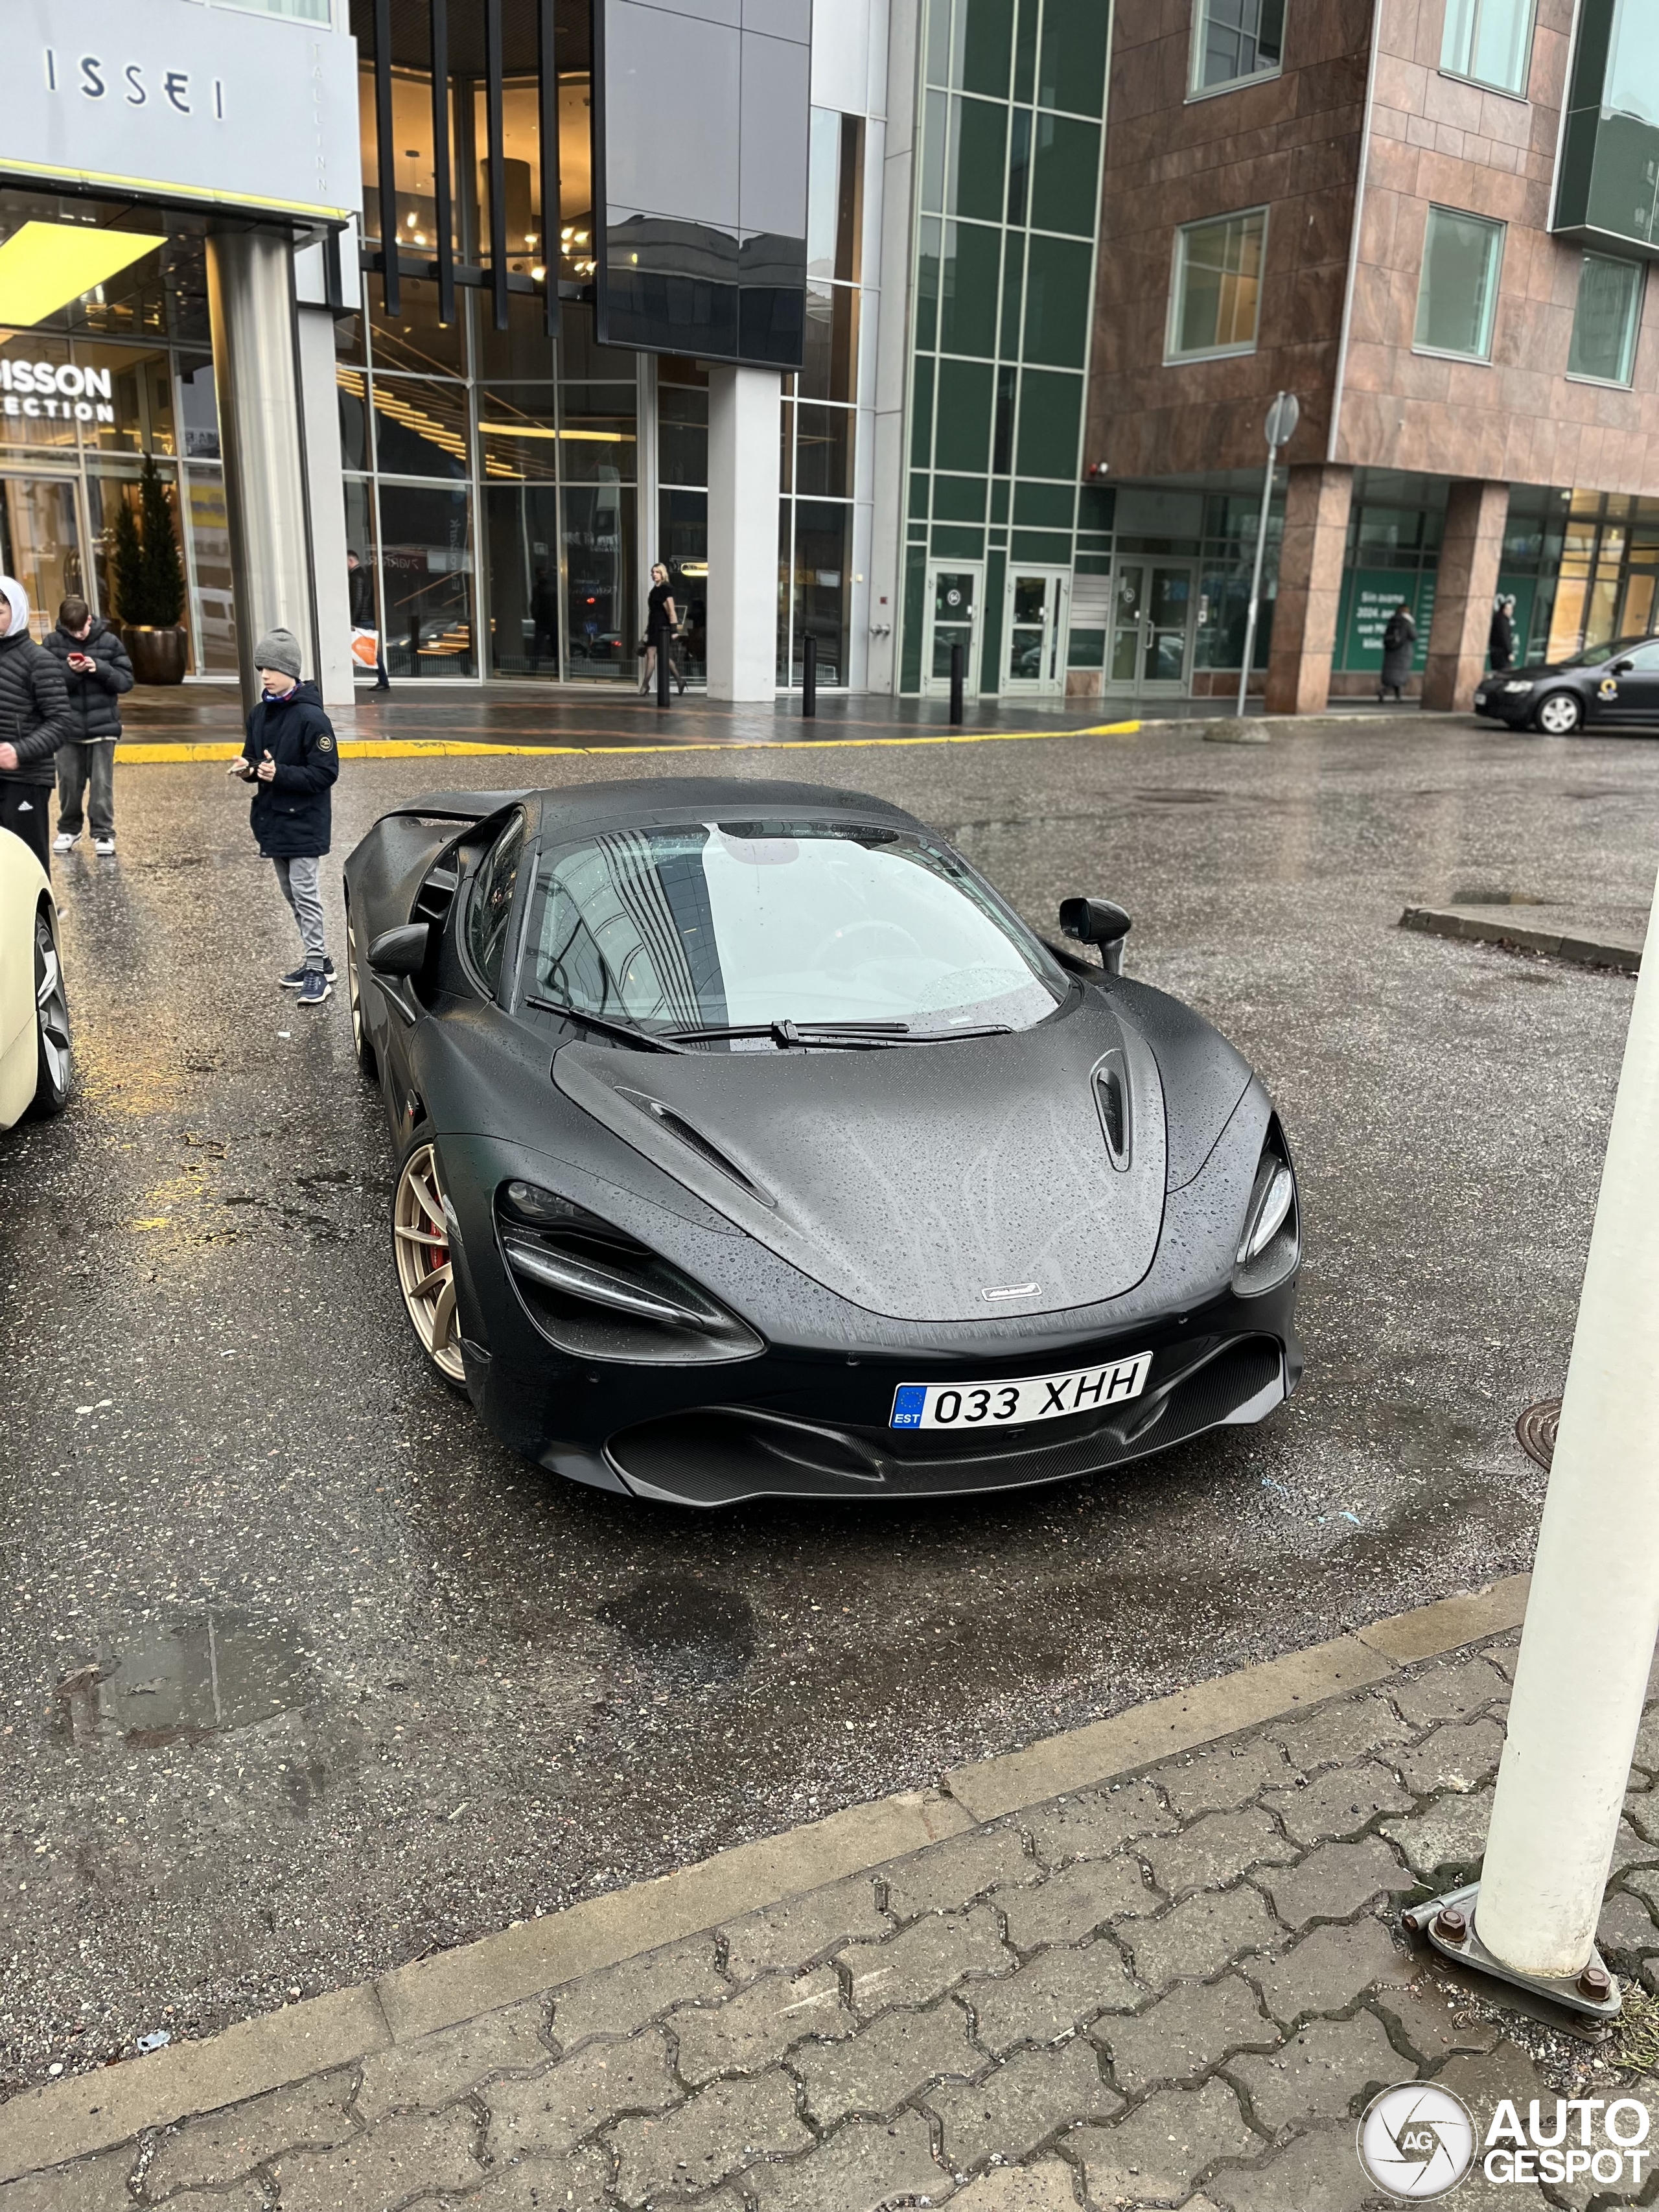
(34, 720)
(96, 671)
(292, 759)
(1399, 640)
(661, 620)
(1500, 638)
(359, 599)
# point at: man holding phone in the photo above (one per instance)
(291, 760)
(96, 671)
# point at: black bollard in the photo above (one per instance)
(956, 683)
(809, 677)
(664, 671)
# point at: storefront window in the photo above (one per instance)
(599, 567)
(413, 339)
(210, 540)
(426, 570)
(420, 427)
(521, 526)
(199, 407)
(39, 543)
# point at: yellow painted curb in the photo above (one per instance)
(138, 754)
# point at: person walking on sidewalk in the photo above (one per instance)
(97, 672)
(360, 595)
(1399, 642)
(661, 620)
(291, 759)
(1500, 638)
(34, 720)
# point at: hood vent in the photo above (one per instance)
(1112, 1096)
(695, 1141)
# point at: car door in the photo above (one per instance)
(1635, 677)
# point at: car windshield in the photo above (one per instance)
(1604, 652)
(722, 923)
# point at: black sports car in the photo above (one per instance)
(1616, 686)
(750, 1143)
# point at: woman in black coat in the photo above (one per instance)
(1398, 644)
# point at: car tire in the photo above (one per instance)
(422, 1254)
(51, 1023)
(1559, 715)
(368, 1066)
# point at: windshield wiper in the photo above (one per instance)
(785, 1034)
(624, 1032)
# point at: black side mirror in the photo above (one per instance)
(1097, 921)
(1623, 667)
(400, 952)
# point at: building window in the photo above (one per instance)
(1489, 41)
(1457, 295)
(1215, 297)
(1606, 321)
(1235, 41)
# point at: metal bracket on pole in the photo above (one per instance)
(1448, 1923)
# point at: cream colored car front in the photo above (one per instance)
(25, 899)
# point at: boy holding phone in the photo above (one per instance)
(96, 671)
(291, 759)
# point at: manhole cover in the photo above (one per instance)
(1536, 1430)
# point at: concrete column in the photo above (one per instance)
(744, 421)
(320, 406)
(1310, 558)
(1465, 587)
(250, 277)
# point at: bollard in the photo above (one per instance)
(664, 669)
(957, 658)
(809, 677)
(1593, 1612)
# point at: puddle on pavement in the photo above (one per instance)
(188, 1677)
(687, 1632)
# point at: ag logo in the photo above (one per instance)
(1417, 2141)
(1608, 688)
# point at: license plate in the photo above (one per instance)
(1010, 1405)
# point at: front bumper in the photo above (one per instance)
(1499, 707)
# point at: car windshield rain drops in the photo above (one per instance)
(767, 925)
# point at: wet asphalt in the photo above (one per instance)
(302, 1676)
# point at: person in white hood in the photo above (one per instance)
(34, 720)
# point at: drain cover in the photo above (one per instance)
(1536, 1430)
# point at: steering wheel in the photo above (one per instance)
(889, 936)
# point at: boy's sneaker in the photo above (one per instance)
(66, 841)
(317, 987)
(295, 978)
(103, 847)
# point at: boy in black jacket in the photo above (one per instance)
(291, 758)
(97, 672)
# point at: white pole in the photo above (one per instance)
(1256, 574)
(1593, 1614)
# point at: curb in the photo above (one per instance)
(46, 2127)
(1516, 937)
(137, 754)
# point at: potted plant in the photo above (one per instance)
(149, 583)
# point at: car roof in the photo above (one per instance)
(663, 801)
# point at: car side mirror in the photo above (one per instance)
(400, 952)
(1623, 667)
(1097, 921)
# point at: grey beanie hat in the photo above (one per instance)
(278, 649)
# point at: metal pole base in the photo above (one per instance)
(1448, 1923)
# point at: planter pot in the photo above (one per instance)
(159, 656)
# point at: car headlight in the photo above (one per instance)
(1270, 1244)
(599, 1293)
(1520, 687)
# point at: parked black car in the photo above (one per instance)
(1616, 686)
(750, 1143)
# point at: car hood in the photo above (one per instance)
(916, 1180)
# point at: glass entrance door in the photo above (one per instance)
(1035, 625)
(953, 596)
(40, 543)
(1153, 604)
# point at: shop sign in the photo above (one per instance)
(1370, 597)
(205, 105)
(56, 391)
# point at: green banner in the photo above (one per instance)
(1369, 596)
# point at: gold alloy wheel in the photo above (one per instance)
(426, 1274)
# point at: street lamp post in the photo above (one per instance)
(1593, 1612)
(1282, 418)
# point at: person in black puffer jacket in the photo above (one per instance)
(34, 720)
(291, 760)
(97, 672)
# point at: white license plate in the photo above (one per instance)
(1010, 1404)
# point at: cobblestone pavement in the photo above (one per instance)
(1179, 1990)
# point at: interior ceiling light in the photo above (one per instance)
(45, 265)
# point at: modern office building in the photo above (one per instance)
(901, 324)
